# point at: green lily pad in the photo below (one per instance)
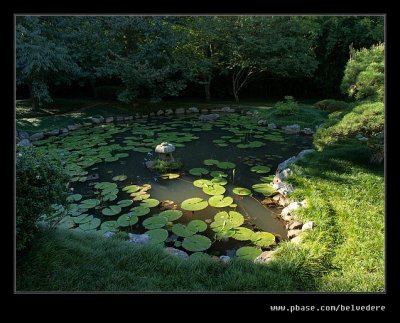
(74, 198)
(131, 188)
(218, 173)
(220, 201)
(140, 210)
(126, 220)
(110, 226)
(199, 255)
(214, 190)
(196, 243)
(243, 234)
(226, 165)
(241, 191)
(248, 253)
(157, 235)
(221, 225)
(83, 218)
(197, 225)
(150, 203)
(105, 185)
(177, 244)
(198, 171)
(219, 181)
(260, 169)
(210, 162)
(194, 204)
(182, 231)
(234, 217)
(155, 222)
(202, 182)
(66, 222)
(88, 204)
(171, 215)
(119, 178)
(267, 179)
(263, 239)
(90, 225)
(124, 203)
(141, 197)
(111, 210)
(225, 234)
(264, 188)
(170, 176)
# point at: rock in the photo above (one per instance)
(96, 120)
(307, 131)
(293, 233)
(283, 188)
(224, 259)
(137, 115)
(283, 175)
(24, 143)
(287, 211)
(109, 119)
(129, 118)
(177, 253)
(265, 257)
(249, 113)
(291, 129)
(108, 234)
(64, 130)
(168, 112)
(160, 112)
(268, 201)
(304, 152)
(308, 226)
(139, 238)
(193, 110)
(262, 122)
(204, 110)
(294, 225)
(145, 116)
(215, 258)
(227, 109)
(23, 135)
(54, 132)
(165, 148)
(293, 159)
(73, 127)
(208, 221)
(93, 177)
(87, 124)
(272, 126)
(296, 240)
(180, 111)
(120, 118)
(36, 136)
(150, 163)
(209, 117)
(172, 238)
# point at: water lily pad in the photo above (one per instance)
(221, 225)
(260, 169)
(74, 198)
(225, 234)
(226, 165)
(126, 220)
(88, 204)
(198, 171)
(157, 235)
(90, 225)
(234, 217)
(155, 222)
(66, 222)
(218, 173)
(119, 178)
(194, 204)
(197, 225)
(214, 190)
(150, 203)
(210, 162)
(111, 210)
(199, 255)
(177, 244)
(243, 234)
(248, 253)
(110, 226)
(267, 179)
(83, 218)
(140, 210)
(182, 231)
(131, 188)
(264, 188)
(263, 239)
(124, 203)
(105, 185)
(196, 243)
(202, 182)
(170, 176)
(141, 197)
(220, 201)
(241, 191)
(171, 215)
(219, 181)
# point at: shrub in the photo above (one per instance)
(161, 166)
(40, 182)
(287, 107)
(364, 74)
(330, 105)
(107, 92)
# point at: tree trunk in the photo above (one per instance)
(207, 91)
(236, 95)
(33, 103)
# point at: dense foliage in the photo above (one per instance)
(331, 105)
(287, 107)
(40, 182)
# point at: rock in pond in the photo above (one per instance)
(265, 257)
(272, 126)
(293, 233)
(24, 143)
(209, 117)
(139, 238)
(177, 253)
(180, 111)
(294, 225)
(109, 119)
(193, 110)
(23, 135)
(291, 129)
(37, 136)
(224, 259)
(308, 226)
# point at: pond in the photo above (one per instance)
(112, 190)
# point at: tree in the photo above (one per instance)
(274, 46)
(42, 56)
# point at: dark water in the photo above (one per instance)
(192, 155)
